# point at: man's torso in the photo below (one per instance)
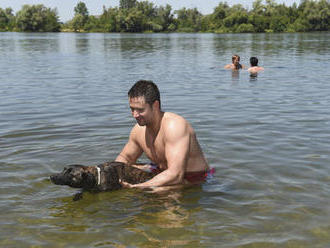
(153, 145)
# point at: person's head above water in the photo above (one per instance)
(254, 61)
(235, 65)
(254, 66)
(146, 89)
(235, 59)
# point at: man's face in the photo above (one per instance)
(141, 111)
(236, 61)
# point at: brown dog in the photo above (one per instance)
(103, 177)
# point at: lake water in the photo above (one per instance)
(63, 100)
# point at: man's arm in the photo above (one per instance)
(177, 142)
(132, 150)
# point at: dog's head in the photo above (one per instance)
(75, 176)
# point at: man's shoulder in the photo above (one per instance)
(137, 129)
(174, 123)
(255, 69)
(170, 117)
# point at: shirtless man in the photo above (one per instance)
(254, 66)
(235, 63)
(166, 138)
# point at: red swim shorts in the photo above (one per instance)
(199, 176)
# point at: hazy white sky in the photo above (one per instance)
(95, 7)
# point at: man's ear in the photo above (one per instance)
(156, 105)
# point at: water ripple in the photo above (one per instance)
(66, 102)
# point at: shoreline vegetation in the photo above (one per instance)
(134, 16)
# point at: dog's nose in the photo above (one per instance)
(53, 178)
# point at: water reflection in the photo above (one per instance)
(111, 43)
(228, 44)
(253, 76)
(131, 216)
(168, 211)
(235, 76)
(163, 214)
(131, 46)
(82, 43)
(7, 44)
(69, 104)
(188, 43)
(38, 43)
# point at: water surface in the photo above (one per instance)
(64, 100)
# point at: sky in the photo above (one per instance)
(65, 8)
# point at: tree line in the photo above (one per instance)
(144, 16)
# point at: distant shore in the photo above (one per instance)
(134, 16)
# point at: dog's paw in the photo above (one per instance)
(78, 196)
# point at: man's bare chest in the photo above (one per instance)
(154, 148)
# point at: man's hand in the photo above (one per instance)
(126, 184)
(130, 186)
(161, 189)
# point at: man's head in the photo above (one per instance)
(254, 61)
(235, 59)
(146, 89)
(144, 100)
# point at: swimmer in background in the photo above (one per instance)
(235, 63)
(254, 69)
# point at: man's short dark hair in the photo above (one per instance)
(146, 88)
(254, 61)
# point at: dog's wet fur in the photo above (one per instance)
(86, 177)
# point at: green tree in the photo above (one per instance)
(258, 21)
(78, 23)
(278, 23)
(206, 24)
(109, 20)
(37, 18)
(127, 4)
(7, 19)
(81, 9)
(257, 17)
(189, 20)
(245, 28)
(4, 20)
(237, 15)
(81, 16)
(147, 8)
(258, 8)
(310, 16)
(94, 25)
(216, 18)
(165, 18)
(149, 14)
(317, 14)
(134, 21)
(141, 16)
(279, 19)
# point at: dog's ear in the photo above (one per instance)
(67, 170)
